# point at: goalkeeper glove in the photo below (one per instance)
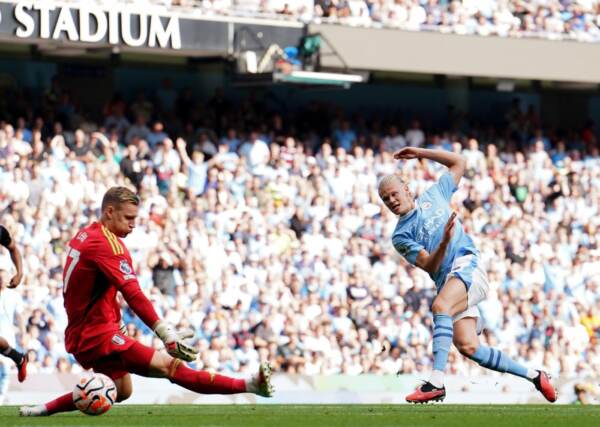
(174, 341)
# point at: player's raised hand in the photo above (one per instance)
(180, 143)
(174, 341)
(99, 136)
(449, 228)
(407, 153)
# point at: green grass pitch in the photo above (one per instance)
(322, 415)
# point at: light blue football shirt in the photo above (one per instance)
(423, 228)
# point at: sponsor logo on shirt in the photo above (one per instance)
(403, 250)
(118, 339)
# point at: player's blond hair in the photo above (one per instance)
(387, 180)
(116, 196)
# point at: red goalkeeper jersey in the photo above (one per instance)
(97, 266)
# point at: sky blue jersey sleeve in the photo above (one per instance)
(446, 185)
(408, 248)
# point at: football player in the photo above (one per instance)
(8, 307)
(99, 266)
(429, 236)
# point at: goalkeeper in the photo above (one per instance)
(98, 265)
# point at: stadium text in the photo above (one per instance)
(116, 23)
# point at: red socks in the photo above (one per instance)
(199, 381)
(204, 382)
(62, 404)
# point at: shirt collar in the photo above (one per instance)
(408, 215)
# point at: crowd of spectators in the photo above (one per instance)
(264, 232)
(553, 19)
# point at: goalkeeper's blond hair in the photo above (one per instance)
(117, 196)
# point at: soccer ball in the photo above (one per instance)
(94, 394)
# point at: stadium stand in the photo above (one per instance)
(555, 19)
(265, 233)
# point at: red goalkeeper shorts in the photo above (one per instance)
(124, 355)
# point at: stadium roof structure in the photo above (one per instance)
(318, 78)
(401, 51)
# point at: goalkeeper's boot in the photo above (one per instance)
(260, 384)
(427, 393)
(33, 411)
(22, 369)
(543, 385)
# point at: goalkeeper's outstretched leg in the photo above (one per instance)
(145, 361)
(163, 365)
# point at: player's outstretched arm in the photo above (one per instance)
(172, 338)
(15, 256)
(119, 272)
(455, 162)
(430, 262)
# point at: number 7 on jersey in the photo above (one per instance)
(72, 260)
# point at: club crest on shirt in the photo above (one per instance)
(426, 205)
(118, 340)
(125, 268)
(82, 236)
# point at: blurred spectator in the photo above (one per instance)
(394, 141)
(256, 152)
(157, 135)
(138, 129)
(344, 136)
(414, 136)
(583, 393)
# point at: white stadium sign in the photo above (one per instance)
(92, 25)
